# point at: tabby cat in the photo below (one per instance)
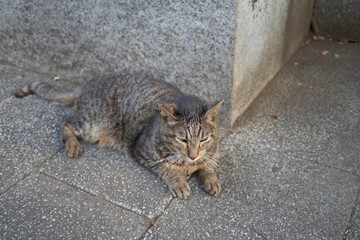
(169, 132)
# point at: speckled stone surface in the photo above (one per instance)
(268, 191)
(43, 208)
(264, 195)
(28, 129)
(190, 45)
(112, 175)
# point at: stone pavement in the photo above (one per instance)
(290, 168)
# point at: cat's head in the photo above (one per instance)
(189, 127)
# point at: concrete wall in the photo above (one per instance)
(190, 45)
(267, 34)
(338, 19)
(214, 49)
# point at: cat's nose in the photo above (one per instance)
(193, 152)
(192, 157)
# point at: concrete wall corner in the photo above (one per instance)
(267, 34)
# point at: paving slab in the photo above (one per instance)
(292, 170)
(42, 208)
(315, 101)
(29, 127)
(29, 135)
(112, 175)
(268, 193)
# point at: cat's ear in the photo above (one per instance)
(167, 110)
(210, 115)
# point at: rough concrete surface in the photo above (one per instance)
(215, 49)
(113, 176)
(337, 19)
(290, 168)
(23, 149)
(265, 193)
(190, 45)
(316, 102)
(43, 208)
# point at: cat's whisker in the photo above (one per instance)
(168, 158)
(210, 160)
(163, 170)
(211, 157)
(219, 154)
(203, 160)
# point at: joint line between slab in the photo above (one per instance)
(350, 223)
(92, 195)
(33, 170)
(333, 167)
(154, 218)
(16, 182)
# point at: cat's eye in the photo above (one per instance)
(204, 139)
(182, 140)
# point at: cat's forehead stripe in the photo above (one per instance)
(193, 129)
(199, 131)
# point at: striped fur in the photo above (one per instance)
(167, 131)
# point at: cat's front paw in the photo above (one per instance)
(180, 189)
(73, 148)
(212, 185)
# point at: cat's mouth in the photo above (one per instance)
(189, 159)
(179, 158)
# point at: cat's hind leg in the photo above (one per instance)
(70, 136)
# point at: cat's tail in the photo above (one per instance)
(56, 95)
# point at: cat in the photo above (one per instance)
(167, 131)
